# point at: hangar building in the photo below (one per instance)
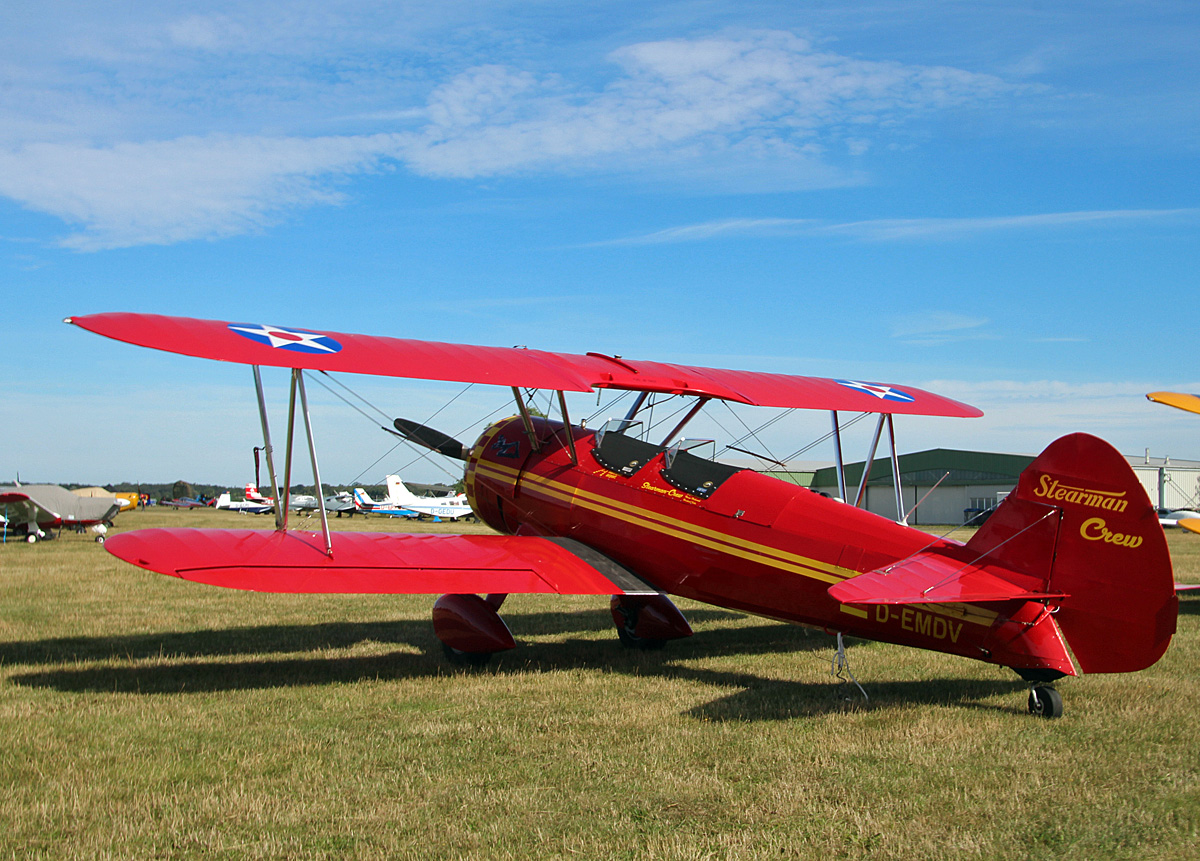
(974, 481)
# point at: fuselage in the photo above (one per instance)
(732, 538)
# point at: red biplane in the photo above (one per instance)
(1074, 556)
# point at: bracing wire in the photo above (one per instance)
(827, 436)
(601, 409)
(424, 455)
(351, 391)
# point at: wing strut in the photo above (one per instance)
(699, 405)
(868, 463)
(298, 376)
(282, 495)
(636, 405)
(270, 452)
(837, 453)
(525, 419)
(562, 405)
(901, 517)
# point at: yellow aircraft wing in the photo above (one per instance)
(1191, 403)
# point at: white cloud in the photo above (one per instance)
(937, 327)
(952, 228)
(755, 112)
(709, 95)
(205, 32)
(711, 229)
(900, 229)
(1025, 417)
(168, 191)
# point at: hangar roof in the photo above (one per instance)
(926, 467)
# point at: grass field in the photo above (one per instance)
(143, 716)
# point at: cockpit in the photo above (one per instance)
(687, 464)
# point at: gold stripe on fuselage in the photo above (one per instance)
(722, 542)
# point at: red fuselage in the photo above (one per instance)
(754, 543)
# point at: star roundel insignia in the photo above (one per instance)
(296, 340)
(884, 393)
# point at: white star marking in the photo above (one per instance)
(279, 337)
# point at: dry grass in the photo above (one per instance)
(147, 717)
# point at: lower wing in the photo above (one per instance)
(376, 562)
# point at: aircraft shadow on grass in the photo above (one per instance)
(1189, 604)
(179, 662)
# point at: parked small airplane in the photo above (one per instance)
(336, 503)
(1074, 555)
(32, 510)
(401, 499)
(252, 495)
(1189, 520)
(187, 502)
(365, 504)
(1177, 517)
(254, 503)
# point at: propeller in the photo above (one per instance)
(434, 440)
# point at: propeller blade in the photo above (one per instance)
(434, 440)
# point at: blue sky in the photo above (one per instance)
(996, 201)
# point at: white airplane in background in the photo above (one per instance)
(402, 502)
(254, 503)
(364, 503)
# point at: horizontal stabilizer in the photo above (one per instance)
(376, 562)
(933, 578)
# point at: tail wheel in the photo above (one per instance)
(1045, 702)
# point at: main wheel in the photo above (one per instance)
(466, 659)
(1045, 702)
(630, 640)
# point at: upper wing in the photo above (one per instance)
(1190, 403)
(376, 562)
(256, 344)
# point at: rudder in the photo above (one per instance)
(1080, 521)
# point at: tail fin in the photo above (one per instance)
(397, 492)
(361, 500)
(253, 495)
(1081, 523)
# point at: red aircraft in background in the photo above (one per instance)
(1074, 556)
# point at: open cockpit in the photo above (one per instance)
(688, 464)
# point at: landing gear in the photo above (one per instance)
(470, 629)
(647, 621)
(630, 640)
(466, 659)
(1045, 702)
